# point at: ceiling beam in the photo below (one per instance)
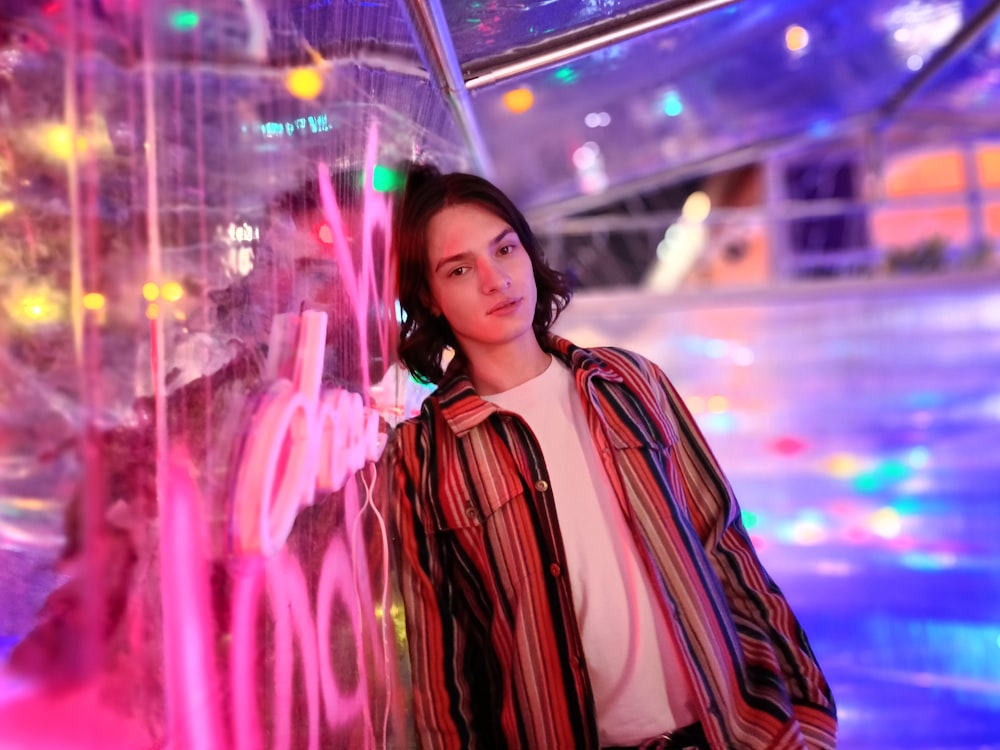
(429, 26)
(560, 48)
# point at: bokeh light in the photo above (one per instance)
(565, 75)
(184, 19)
(93, 301)
(718, 404)
(35, 308)
(597, 120)
(796, 38)
(918, 457)
(324, 233)
(519, 100)
(304, 82)
(788, 445)
(172, 291)
(886, 523)
(842, 465)
(59, 141)
(697, 207)
(150, 291)
(672, 104)
(386, 180)
(585, 157)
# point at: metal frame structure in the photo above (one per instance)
(587, 39)
(431, 29)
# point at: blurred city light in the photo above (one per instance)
(519, 100)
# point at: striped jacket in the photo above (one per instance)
(494, 646)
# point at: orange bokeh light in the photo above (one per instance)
(519, 100)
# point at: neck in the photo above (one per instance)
(501, 368)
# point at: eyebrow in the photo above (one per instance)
(468, 253)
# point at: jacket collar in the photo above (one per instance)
(462, 407)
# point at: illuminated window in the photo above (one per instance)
(925, 173)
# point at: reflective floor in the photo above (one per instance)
(860, 428)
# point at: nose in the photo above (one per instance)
(494, 278)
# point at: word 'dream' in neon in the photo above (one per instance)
(300, 440)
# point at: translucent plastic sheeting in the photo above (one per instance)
(195, 370)
(858, 425)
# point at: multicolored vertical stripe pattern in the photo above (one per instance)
(494, 647)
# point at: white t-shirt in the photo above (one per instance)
(639, 685)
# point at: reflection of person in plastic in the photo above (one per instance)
(294, 269)
(573, 564)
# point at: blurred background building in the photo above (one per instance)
(792, 206)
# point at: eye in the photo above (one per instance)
(505, 250)
(458, 271)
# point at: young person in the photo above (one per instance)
(573, 566)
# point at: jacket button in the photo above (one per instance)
(541, 485)
(470, 511)
(555, 570)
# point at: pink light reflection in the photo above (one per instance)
(189, 668)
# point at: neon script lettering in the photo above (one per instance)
(300, 440)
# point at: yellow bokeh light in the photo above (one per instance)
(152, 311)
(150, 291)
(796, 38)
(697, 207)
(842, 465)
(172, 291)
(6, 207)
(35, 308)
(718, 404)
(519, 100)
(93, 301)
(58, 140)
(886, 522)
(304, 83)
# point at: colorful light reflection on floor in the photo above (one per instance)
(859, 426)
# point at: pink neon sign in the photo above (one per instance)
(301, 441)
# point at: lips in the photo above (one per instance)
(505, 307)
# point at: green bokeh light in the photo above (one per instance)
(566, 75)
(184, 20)
(385, 180)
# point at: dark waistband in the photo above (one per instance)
(691, 737)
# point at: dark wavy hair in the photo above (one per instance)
(424, 336)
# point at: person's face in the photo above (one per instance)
(480, 277)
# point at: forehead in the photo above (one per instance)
(462, 227)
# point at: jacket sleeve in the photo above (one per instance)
(426, 594)
(758, 607)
